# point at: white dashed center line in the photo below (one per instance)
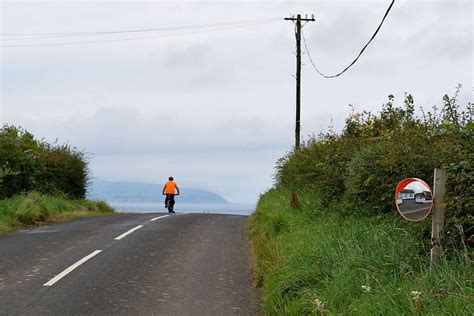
(129, 232)
(68, 270)
(77, 264)
(154, 219)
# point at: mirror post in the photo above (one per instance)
(439, 189)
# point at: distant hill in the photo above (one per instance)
(121, 191)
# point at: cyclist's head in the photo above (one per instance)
(170, 178)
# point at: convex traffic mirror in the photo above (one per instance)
(414, 199)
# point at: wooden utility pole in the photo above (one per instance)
(439, 189)
(297, 22)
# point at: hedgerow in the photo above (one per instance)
(361, 166)
(28, 164)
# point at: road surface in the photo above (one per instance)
(414, 211)
(134, 264)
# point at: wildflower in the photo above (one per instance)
(319, 306)
(415, 295)
(366, 288)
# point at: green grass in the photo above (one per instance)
(316, 261)
(34, 208)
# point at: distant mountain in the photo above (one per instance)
(121, 191)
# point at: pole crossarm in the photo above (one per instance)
(306, 19)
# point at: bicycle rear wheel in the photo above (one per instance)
(171, 206)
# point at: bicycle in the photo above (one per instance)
(170, 202)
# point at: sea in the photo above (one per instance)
(203, 208)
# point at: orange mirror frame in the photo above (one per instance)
(402, 185)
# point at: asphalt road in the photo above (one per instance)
(414, 211)
(190, 264)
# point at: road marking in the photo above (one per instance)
(154, 219)
(68, 270)
(418, 210)
(129, 232)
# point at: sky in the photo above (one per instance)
(216, 110)
(417, 187)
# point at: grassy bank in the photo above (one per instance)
(34, 208)
(314, 261)
(362, 164)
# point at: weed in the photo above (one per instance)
(348, 264)
(33, 208)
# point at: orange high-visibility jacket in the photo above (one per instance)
(169, 187)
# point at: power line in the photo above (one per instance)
(360, 53)
(139, 38)
(66, 34)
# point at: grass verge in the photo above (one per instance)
(313, 261)
(34, 208)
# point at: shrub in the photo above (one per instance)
(27, 164)
(63, 169)
(460, 194)
(18, 165)
(361, 166)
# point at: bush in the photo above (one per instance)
(27, 164)
(460, 194)
(361, 166)
(19, 167)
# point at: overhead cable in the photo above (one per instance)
(360, 53)
(66, 34)
(139, 38)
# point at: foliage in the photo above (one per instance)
(460, 205)
(33, 208)
(27, 164)
(315, 261)
(361, 166)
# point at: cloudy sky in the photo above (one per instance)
(216, 109)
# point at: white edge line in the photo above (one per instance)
(419, 210)
(71, 268)
(154, 219)
(128, 232)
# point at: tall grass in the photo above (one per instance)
(362, 165)
(316, 261)
(33, 208)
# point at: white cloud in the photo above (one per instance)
(217, 109)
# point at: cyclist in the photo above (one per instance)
(169, 191)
